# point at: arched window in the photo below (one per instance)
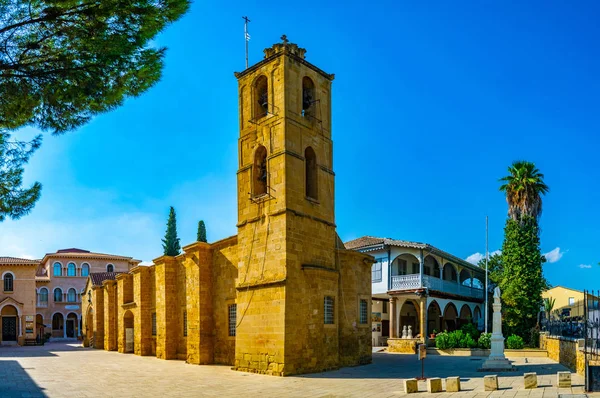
(85, 269)
(58, 295)
(308, 96)
(310, 159)
(259, 171)
(43, 296)
(110, 268)
(71, 269)
(57, 269)
(8, 282)
(261, 95)
(72, 295)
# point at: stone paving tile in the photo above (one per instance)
(68, 370)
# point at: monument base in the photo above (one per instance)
(497, 365)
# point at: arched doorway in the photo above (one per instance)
(434, 318)
(10, 324)
(58, 325)
(40, 327)
(405, 264)
(128, 331)
(409, 316)
(72, 325)
(477, 318)
(450, 273)
(466, 316)
(450, 316)
(431, 267)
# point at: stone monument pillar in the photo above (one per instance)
(497, 360)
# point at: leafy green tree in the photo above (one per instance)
(522, 281)
(495, 268)
(171, 245)
(201, 236)
(64, 61)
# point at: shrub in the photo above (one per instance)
(534, 337)
(469, 328)
(485, 341)
(514, 342)
(441, 341)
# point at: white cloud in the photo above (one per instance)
(554, 255)
(475, 258)
(585, 266)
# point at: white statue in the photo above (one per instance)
(404, 332)
(497, 360)
(409, 332)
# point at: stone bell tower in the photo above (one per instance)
(286, 224)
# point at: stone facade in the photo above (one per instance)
(565, 351)
(17, 300)
(283, 296)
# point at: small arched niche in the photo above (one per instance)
(308, 96)
(310, 159)
(261, 96)
(259, 171)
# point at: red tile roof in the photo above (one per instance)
(17, 261)
(72, 250)
(99, 277)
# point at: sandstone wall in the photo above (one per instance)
(565, 351)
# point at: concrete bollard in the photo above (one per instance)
(490, 382)
(530, 380)
(434, 384)
(411, 386)
(453, 384)
(563, 379)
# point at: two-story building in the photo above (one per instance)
(418, 289)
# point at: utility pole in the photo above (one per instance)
(246, 37)
(486, 273)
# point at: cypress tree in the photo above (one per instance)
(171, 245)
(201, 237)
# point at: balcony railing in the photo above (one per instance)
(413, 281)
(42, 304)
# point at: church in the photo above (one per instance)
(281, 297)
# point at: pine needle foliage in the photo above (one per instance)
(201, 235)
(171, 245)
(64, 61)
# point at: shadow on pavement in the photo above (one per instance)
(15, 382)
(46, 350)
(397, 366)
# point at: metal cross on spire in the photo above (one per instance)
(284, 39)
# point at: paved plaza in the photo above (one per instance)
(68, 370)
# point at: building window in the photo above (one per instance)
(384, 305)
(308, 96)
(58, 295)
(232, 309)
(571, 300)
(310, 160)
(57, 269)
(261, 92)
(8, 282)
(43, 297)
(154, 324)
(184, 323)
(376, 270)
(110, 268)
(85, 269)
(72, 296)
(364, 312)
(329, 311)
(259, 171)
(71, 270)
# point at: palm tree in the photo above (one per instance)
(549, 306)
(524, 187)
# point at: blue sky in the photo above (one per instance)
(431, 103)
